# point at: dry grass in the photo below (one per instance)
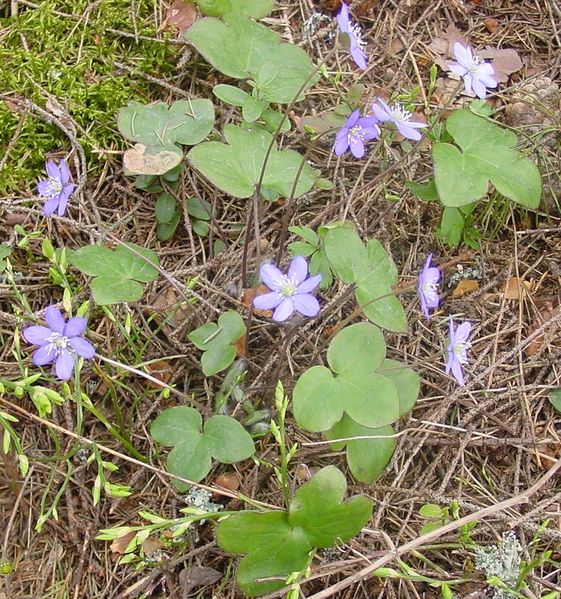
(477, 445)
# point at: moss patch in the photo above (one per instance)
(73, 58)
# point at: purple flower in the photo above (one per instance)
(357, 44)
(289, 292)
(354, 133)
(57, 189)
(427, 287)
(457, 350)
(60, 342)
(477, 74)
(399, 117)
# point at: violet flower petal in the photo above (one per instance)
(309, 285)
(82, 347)
(306, 304)
(52, 170)
(298, 269)
(267, 301)
(272, 277)
(75, 326)
(44, 355)
(64, 365)
(64, 172)
(357, 147)
(284, 310)
(55, 320)
(37, 334)
(50, 205)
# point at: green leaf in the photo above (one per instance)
(453, 223)
(165, 231)
(165, 208)
(484, 153)
(217, 341)
(372, 271)
(272, 119)
(431, 510)
(555, 398)
(244, 49)
(367, 458)
(321, 396)
(235, 167)
(200, 228)
(161, 126)
(5, 251)
(243, 8)
(199, 209)
(406, 381)
(305, 233)
(253, 108)
(425, 191)
(223, 439)
(276, 544)
(118, 272)
(230, 94)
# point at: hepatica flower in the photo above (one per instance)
(354, 133)
(457, 350)
(427, 287)
(357, 44)
(289, 292)
(477, 74)
(57, 189)
(400, 117)
(60, 342)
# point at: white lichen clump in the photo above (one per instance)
(502, 561)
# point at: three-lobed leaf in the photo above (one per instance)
(194, 446)
(351, 385)
(484, 153)
(217, 341)
(244, 49)
(118, 273)
(160, 130)
(372, 271)
(276, 544)
(235, 167)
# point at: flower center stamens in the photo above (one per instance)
(55, 187)
(57, 343)
(460, 350)
(400, 114)
(430, 290)
(289, 288)
(356, 132)
(356, 32)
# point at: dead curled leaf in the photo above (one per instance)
(119, 544)
(464, 287)
(136, 161)
(515, 288)
(180, 16)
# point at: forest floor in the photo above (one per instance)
(67, 67)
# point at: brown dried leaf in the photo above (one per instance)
(504, 62)
(121, 543)
(137, 162)
(151, 545)
(465, 287)
(546, 312)
(198, 576)
(228, 480)
(443, 45)
(516, 287)
(175, 310)
(180, 16)
(491, 24)
(162, 370)
(249, 294)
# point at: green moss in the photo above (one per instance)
(73, 59)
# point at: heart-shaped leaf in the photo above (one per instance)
(218, 341)
(161, 129)
(484, 153)
(367, 458)
(235, 167)
(244, 49)
(118, 272)
(276, 544)
(372, 271)
(223, 439)
(321, 396)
